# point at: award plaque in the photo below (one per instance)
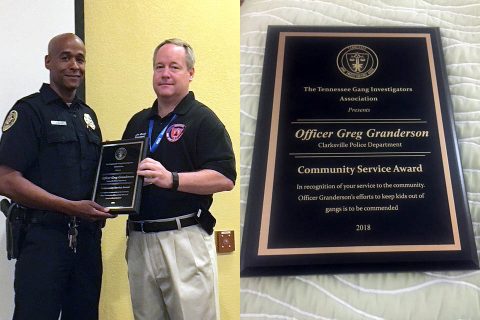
(117, 186)
(356, 165)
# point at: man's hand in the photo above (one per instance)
(205, 181)
(87, 209)
(155, 173)
(14, 186)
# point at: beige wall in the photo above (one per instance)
(120, 38)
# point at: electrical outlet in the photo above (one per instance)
(225, 241)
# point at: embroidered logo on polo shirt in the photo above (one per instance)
(175, 132)
(10, 120)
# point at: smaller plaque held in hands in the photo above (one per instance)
(117, 185)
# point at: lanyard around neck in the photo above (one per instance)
(160, 135)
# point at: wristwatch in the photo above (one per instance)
(174, 181)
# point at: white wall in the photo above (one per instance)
(25, 28)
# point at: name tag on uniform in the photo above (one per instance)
(58, 123)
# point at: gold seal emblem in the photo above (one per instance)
(357, 61)
(10, 120)
(88, 120)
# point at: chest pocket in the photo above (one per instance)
(94, 144)
(63, 146)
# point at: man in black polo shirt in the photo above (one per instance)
(49, 152)
(170, 253)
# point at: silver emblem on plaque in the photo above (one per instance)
(120, 153)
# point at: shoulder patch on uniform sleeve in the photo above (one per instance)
(10, 120)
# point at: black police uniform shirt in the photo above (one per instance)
(196, 139)
(53, 145)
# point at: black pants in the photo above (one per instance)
(51, 279)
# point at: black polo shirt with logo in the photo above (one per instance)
(53, 145)
(194, 140)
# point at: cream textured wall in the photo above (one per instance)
(120, 38)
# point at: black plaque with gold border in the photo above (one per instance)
(117, 185)
(356, 164)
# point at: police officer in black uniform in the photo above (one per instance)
(49, 152)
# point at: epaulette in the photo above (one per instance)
(82, 103)
(30, 96)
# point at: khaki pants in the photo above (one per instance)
(173, 275)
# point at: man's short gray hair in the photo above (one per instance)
(189, 54)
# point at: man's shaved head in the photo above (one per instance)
(56, 42)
